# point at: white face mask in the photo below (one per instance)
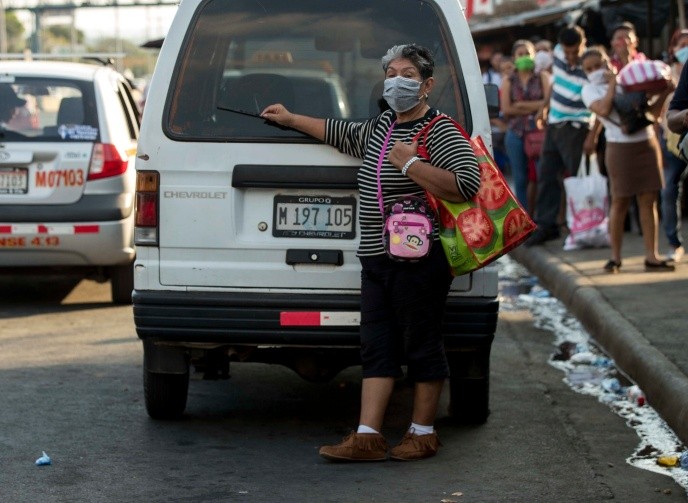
(401, 93)
(543, 61)
(597, 77)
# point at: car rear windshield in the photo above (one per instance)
(49, 110)
(317, 57)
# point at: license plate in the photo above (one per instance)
(321, 217)
(14, 180)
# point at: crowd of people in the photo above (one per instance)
(563, 93)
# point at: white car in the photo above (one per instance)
(246, 232)
(68, 137)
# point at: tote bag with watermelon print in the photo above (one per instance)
(492, 223)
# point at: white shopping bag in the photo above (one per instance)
(587, 206)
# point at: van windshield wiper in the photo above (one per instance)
(256, 115)
(244, 112)
(239, 111)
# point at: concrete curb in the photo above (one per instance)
(663, 383)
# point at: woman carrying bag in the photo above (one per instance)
(523, 96)
(633, 161)
(401, 302)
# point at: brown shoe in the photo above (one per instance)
(357, 447)
(414, 447)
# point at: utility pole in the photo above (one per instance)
(3, 28)
(36, 42)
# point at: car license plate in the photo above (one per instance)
(14, 180)
(314, 217)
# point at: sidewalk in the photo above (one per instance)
(639, 318)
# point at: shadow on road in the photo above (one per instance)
(27, 294)
(34, 289)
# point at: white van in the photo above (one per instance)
(232, 264)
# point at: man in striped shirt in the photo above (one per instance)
(568, 132)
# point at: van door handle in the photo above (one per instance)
(331, 257)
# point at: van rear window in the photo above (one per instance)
(317, 57)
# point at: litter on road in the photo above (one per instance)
(591, 372)
(44, 460)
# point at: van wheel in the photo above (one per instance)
(469, 385)
(122, 283)
(468, 400)
(165, 394)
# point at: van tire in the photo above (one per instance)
(122, 283)
(165, 394)
(468, 400)
(469, 385)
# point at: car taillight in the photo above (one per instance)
(106, 161)
(146, 218)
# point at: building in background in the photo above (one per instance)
(496, 24)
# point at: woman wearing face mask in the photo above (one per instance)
(523, 97)
(401, 303)
(675, 171)
(633, 161)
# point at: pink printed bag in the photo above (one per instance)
(648, 76)
(587, 205)
(407, 233)
(409, 223)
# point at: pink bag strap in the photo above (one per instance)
(422, 148)
(423, 134)
(379, 167)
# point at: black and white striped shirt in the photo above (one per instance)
(447, 148)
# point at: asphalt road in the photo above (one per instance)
(70, 385)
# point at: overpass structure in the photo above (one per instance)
(46, 5)
(41, 8)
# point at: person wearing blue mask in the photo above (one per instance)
(681, 51)
(675, 171)
(401, 302)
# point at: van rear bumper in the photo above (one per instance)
(254, 319)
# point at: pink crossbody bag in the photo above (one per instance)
(407, 233)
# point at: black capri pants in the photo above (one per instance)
(402, 304)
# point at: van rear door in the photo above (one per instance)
(260, 206)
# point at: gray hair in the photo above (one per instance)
(420, 57)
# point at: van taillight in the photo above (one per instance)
(146, 218)
(106, 161)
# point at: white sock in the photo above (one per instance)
(420, 429)
(362, 428)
